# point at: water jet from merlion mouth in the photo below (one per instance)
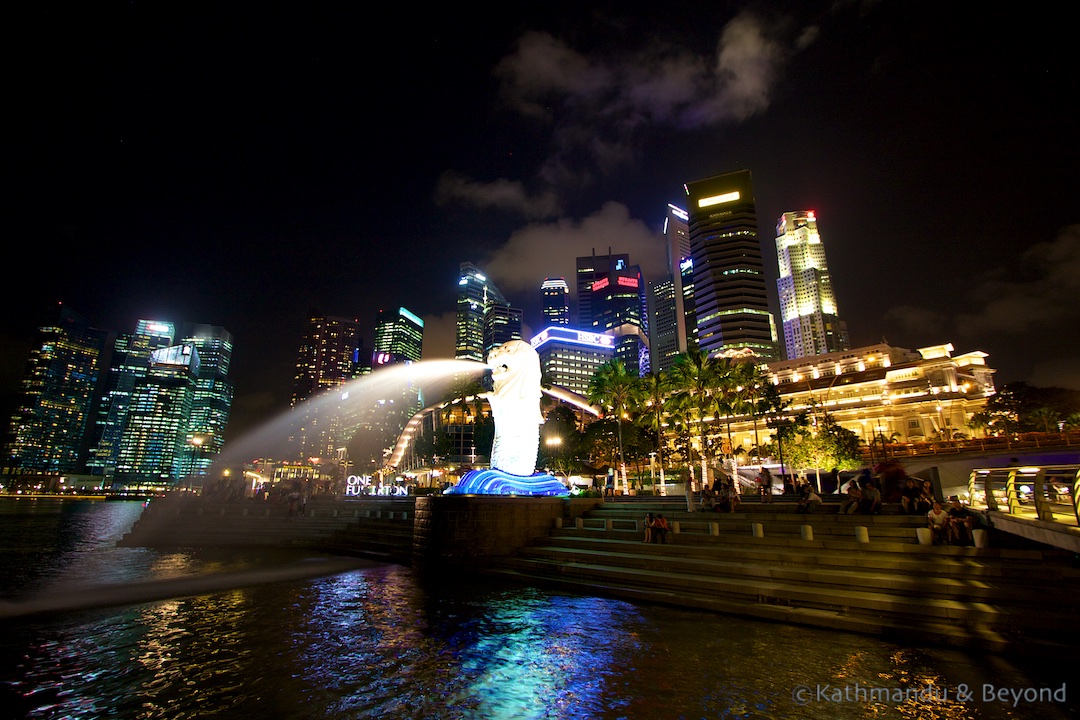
(273, 439)
(515, 408)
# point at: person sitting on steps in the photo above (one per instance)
(660, 529)
(938, 521)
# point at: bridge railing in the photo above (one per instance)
(1045, 492)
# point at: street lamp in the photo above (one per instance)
(555, 442)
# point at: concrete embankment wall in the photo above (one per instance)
(439, 531)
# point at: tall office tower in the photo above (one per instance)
(556, 306)
(730, 296)
(129, 366)
(671, 314)
(807, 301)
(327, 359)
(53, 411)
(212, 404)
(619, 309)
(154, 449)
(569, 358)
(476, 295)
(590, 269)
(663, 323)
(501, 324)
(399, 337)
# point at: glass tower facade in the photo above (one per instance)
(730, 292)
(555, 293)
(807, 302)
(128, 369)
(476, 296)
(212, 403)
(53, 411)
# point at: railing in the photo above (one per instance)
(1017, 441)
(1047, 492)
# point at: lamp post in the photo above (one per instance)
(555, 442)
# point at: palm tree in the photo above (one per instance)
(694, 382)
(612, 387)
(653, 393)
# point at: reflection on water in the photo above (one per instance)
(381, 642)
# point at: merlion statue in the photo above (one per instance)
(515, 407)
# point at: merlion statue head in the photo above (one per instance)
(515, 371)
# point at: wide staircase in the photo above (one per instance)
(857, 573)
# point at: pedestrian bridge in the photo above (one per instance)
(1038, 502)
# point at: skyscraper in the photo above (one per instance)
(476, 295)
(128, 369)
(730, 296)
(53, 412)
(556, 306)
(326, 360)
(399, 337)
(212, 403)
(153, 445)
(807, 302)
(501, 324)
(671, 299)
(619, 309)
(591, 268)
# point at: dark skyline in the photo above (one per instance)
(238, 164)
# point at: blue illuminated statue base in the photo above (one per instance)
(497, 482)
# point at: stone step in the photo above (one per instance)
(897, 609)
(1012, 566)
(926, 582)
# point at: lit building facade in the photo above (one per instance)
(153, 446)
(808, 310)
(476, 296)
(53, 410)
(671, 300)
(590, 269)
(569, 358)
(212, 403)
(619, 309)
(128, 370)
(730, 295)
(399, 337)
(501, 324)
(327, 359)
(555, 294)
(878, 391)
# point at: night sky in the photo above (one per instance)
(239, 164)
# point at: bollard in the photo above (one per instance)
(558, 523)
(714, 529)
(580, 523)
(925, 536)
(607, 523)
(757, 529)
(862, 534)
(979, 537)
(676, 527)
(807, 532)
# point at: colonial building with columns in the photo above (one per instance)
(880, 391)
